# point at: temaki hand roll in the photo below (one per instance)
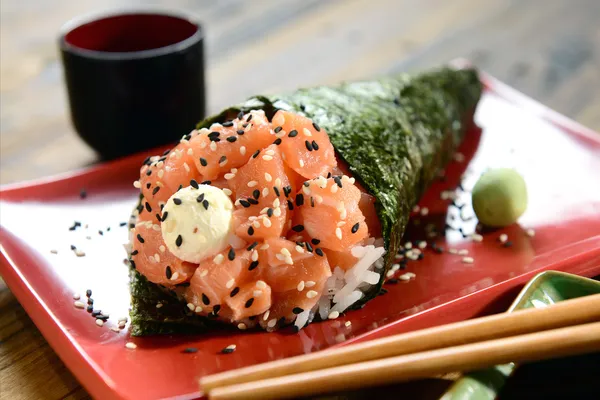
(289, 208)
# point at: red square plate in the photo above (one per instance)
(559, 159)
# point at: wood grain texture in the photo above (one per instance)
(549, 49)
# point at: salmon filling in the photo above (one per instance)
(304, 239)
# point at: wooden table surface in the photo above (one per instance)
(549, 49)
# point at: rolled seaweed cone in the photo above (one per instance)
(322, 181)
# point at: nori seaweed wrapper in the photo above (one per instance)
(394, 133)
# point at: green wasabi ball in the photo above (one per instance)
(499, 197)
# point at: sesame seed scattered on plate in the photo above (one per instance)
(100, 322)
(468, 260)
(530, 232)
(503, 238)
(333, 315)
(76, 296)
(79, 304)
(130, 345)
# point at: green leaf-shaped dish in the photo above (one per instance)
(543, 290)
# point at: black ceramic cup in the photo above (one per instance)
(135, 80)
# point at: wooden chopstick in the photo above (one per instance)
(566, 313)
(529, 347)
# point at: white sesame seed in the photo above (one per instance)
(422, 244)
(190, 152)
(268, 177)
(191, 306)
(243, 150)
(285, 252)
(231, 347)
(159, 305)
(468, 260)
(228, 192)
(463, 252)
(453, 251)
(311, 294)
(277, 212)
(270, 152)
(99, 322)
(252, 183)
(261, 284)
(175, 276)
(408, 245)
(404, 277)
(347, 323)
(228, 176)
(254, 256)
(424, 211)
(160, 164)
(266, 315)
(137, 184)
(300, 286)
(299, 249)
(186, 166)
(218, 259)
(319, 199)
(76, 296)
(256, 224)
(333, 315)
(198, 309)
(203, 273)
(477, 237)
(280, 256)
(122, 319)
(130, 345)
(157, 257)
(223, 163)
(334, 188)
(242, 326)
(341, 223)
(338, 233)
(265, 192)
(54, 251)
(288, 260)
(503, 238)
(390, 273)
(310, 284)
(234, 170)
(266, 222)
(276, 203)
(213, 146)
(267, 157)
(79, 304)
(272, 323)
(230, 283)
(343, 214)
(257, 293)
(306, 132)
(79, 253)
(301, 163)
(263, 247)
(530, 232)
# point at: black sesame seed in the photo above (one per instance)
(140, 208)
(205, 299)
(290, 205)
(164, 216)
(231, 139)
(132, 225)
(149, 172)
(277, 142)
(252, 201)
(253, 265)
(421, 256)
(190, 350)
(308, 145)
(200, 198)
(216, 309)
(293, 133)
(176, 201)
(244, 203)
(82, 193)
(312, 201)
(134, 253)
(90, 308)
(147, 160)
(302, 107)
(148, 208)
(166, 152)
(215, 139)
(231, 254)
(278, 129)
(88, 293)
(299, 199)
(438, 250)
(194, 184)
(240, 132)
(317, 127)
(507, 244)
(179, 188)
(337, 181)
(227, 124)
(155, 190)
(249, 302)
(256, 193)
(102, 233)
(222, 159)
(297, 310)
(252, 246)
(240, 115)
(315, 241)
(168, 272)
(355, 227)
(235, 291)
(328, 175)
(178, 241)
(319, 252)
(183, 284)
(276, 190)
(392, 281)
(255, 154)
(298, 228)
(203, 162)
(139, 237)
(315, 146)
(269, 212)
(244, 126)
(250, 231)
(205, 182)
(228, 350)
(96, 313)
(132, 263)
(309, 247)
(307, 183)
(214, 134)
(249, 118)
(287, 190)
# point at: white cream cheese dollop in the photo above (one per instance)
(198, 222)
